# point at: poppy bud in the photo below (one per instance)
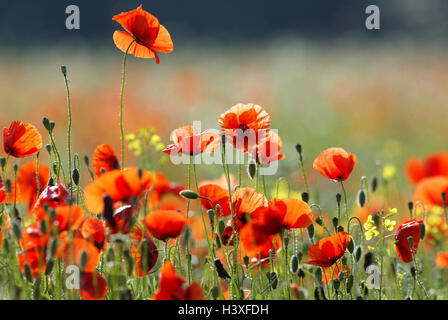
(16, 168)
(83, 259)
(319, 221)
(336, 284)
(251, 169)
(319, 293)
(52, 214)
(351, 246)
(51, 182)
(3, 163)
(335, 222)
(413, 271)
(410, 206)
(16, 229)
(189, 194)
(109, 211)
(246, 261)
(52, 124)
(75, 176)
(423, 232)
(223, 142)
(86, 160)
(305, 197)
(299, 256)
(129, 262)
(444, 198)
(46, 124)
(274, 280)
(211, 217)
(338, 199)
(340, 229)
(358, 253)
(294, 264)
(299, 151)
(222, 273)
(301, 273)
(310, 229)
(6, 245)
(221, 227)
(368, 259)
(374, 184)
(8, 186)
(361, 198)
(376, 219)
(43, 226)
(411, 242)
(64, 70)
(349, 283)
(48, 147)
(318, 274)
(286, 240)
(344, 260)
(215, 292)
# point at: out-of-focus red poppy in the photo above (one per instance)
(121, 220)
(11, 195)
(298, 213)
(53, 196)
(268, 150)
(104, 158)
(164, 224)
(144, 29)
(222, 182)
(260, 255)
(327, 251)
(145, 255)
(442, 260)
(411, 228)
(93, 230)
(21, 139)
(27, 182)
(429, 191)
(5, 226)
(92, 286)
(75, 249)
(333, 273)
(188, 141)
(34, 244)
(218, 195)
(335, 164)
(435, 164)
(163, 186)
(66, 217)
(171, 286)
(120, 185)
(245, 125)
(34, 259)
(245, 201)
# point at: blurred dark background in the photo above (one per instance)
(42, 23)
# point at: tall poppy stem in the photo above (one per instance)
(345, 199)
(121, 102)
(69, 129)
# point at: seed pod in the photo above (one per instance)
(361, 198)
(351, 246)
(75, 176)
(251, 169)
(222, 273)
(310, 229)
(294, 264)
(374, 184)
(305, 197)
(189, 194)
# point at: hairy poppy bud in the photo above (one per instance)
(15, 167)
(423, 232)
(351, 246)
(222, 273)
(215, 292)
(319, 293)
(358, 253)
(340, 229)
(374, 184)
(349, 283)
(211, 217)
(294, 264)
(335, 222)
(368, 259)
(336, 284)
(50, 265)
(305, 197)
(251, 169)
(301, 273)
(338, 199)
(319, 221)
(310, 229)
(46, 124)
(361, 198)
(64, 70)
(246, 261)
(410, 206)
(299, 151)
(189, 194)
(86, 160)
(75, 176)
(318, 274)
(28, 275)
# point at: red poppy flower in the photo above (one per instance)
(53, 196)
(442, 260)
(164, 224)
(122, 220)
(298, 213)
(27, 182)
(92, 286)
(34, 259)
(260, 253)
(245, 201)
(66, 217)
(188, 141)
(21, 139)
(218, 195)
(245, 125)
(138, 250)
(162, 187)
(335, 164)
(435, 164)
(74, 250)
(411, 228)
(144, 29)
(171, 286)
(104, 158)
(268, 150)
(333, 273)
(93, 230)
(327, 251)
(11, 196)
(120, 185)
(429, 191)
(34, 244)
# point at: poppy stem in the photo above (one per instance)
(121, 103)
(69, 129)
(345, 199)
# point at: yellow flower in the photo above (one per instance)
(389, 224)
(400, 276)
(389, 171)
(130, 137)
(371, 233)
(369, 223)
(371, 248)
(393, 211)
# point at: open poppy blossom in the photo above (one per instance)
(245, 201)
(120, 185)
(53, 196)
(92, 286)
(104, 158)
(442, 260)
(34, 244)
(268, 150)
(66, 217)
(218, 195)
(164, 224)
(75, 249)
(335, 164)
(189, 142)
(298, 213)
(429, 191)
(435, 164)
(27, 182)
(145, 255)
(327, 251)
(245, 125)
(93, 230)
(333, 273)
(171, 286)
(121, 220)
(411, 228)
(21, 139)
(163, 186)
(259, 254)
(143, 34)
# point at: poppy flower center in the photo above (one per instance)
(243, 127)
